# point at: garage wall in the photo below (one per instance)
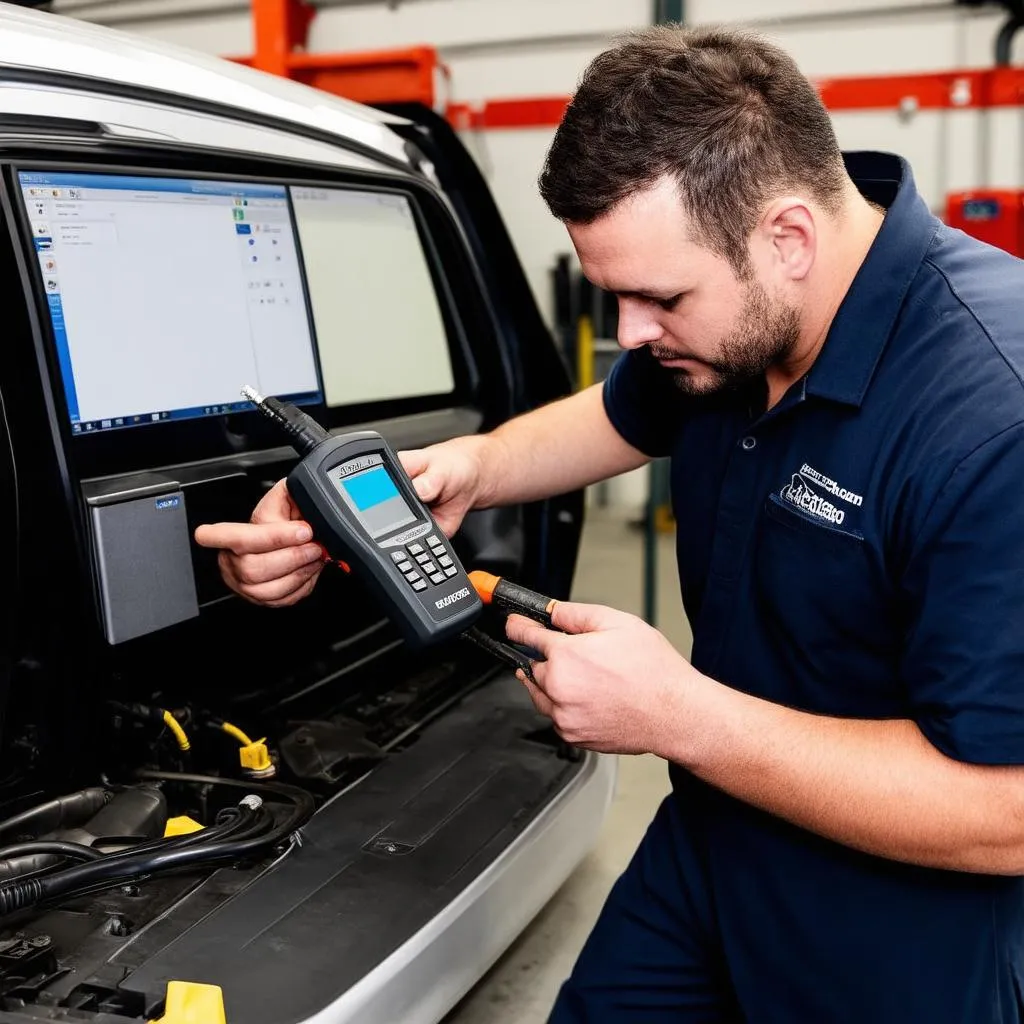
(521, 48)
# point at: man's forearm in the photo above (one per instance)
(552, 450)
(877, 786)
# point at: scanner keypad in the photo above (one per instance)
(433, 561)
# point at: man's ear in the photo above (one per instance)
(789, 230)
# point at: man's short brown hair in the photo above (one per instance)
(725, 113)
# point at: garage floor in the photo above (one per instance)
(522, 985)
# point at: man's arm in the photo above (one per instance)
(552, 450)
(612, 683)
(878, 786)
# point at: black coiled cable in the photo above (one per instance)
(17, 896)
(249, 832)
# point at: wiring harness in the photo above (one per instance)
(244, 830)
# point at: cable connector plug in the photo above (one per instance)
(255, 760)
(304, 433)
(254, 755)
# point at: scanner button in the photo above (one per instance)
(438, 577)
(419, 585)
(415, 549)
(450, 572)
(433, 541)
(445, 562)
(413, 576)
(398, 556)
(429, 567)
(405, 566)
(438, 551)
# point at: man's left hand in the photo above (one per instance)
(609, 681)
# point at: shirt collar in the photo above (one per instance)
(865, 319)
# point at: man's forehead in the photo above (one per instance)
(659, 203)
(640, 256)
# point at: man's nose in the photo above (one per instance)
(637, 327)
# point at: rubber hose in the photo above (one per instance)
(54, 814)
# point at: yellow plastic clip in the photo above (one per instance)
(191, 1003)
(255, 757)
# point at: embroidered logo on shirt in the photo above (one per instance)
(804, 492)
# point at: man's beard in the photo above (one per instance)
(765, 335)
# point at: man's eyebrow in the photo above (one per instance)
(650, 296)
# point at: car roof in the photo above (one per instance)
(66, 46)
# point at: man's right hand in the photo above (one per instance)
(270, 560)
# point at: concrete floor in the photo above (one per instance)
(522, 985)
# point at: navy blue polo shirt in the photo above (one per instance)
(858, 551)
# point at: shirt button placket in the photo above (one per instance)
(737, 511)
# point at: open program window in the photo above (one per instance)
(378, 320)
(166, 295)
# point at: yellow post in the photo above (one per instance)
(584, 352)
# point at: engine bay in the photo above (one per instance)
(185, 788)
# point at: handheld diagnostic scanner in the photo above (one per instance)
(365, 512)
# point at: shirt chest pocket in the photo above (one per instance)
(824, 599)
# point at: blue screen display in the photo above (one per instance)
(371, 488)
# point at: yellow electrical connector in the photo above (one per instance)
(254, 756)
(181, 826)
(191, 1003)
(175, 726)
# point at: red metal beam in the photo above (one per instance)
(943, 90)
(946, 90)
(536, 112)
(385, 76)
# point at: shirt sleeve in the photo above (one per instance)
(643, 403)
(963, 661)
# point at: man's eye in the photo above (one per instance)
(669, 304)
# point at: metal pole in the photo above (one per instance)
(668, 11)
(651, 548)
